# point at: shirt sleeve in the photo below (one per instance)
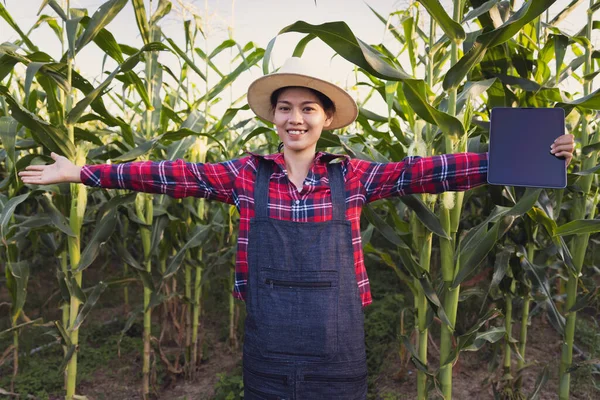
(174, 178)
(435, 174)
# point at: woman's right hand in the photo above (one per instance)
(61, 171)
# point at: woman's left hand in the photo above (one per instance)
(563, 146)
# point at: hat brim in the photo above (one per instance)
(259, 96)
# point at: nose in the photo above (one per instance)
(295, 116)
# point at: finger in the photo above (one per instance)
(565, 139)
(54, 156)
(36, 180)
(565, 154)
(35, 167)
(563, 147)
(30, 173)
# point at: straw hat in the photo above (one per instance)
(297, 72)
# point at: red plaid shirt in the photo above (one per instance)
(232, 182)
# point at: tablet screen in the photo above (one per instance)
(519, 151)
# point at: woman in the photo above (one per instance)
(299, 265)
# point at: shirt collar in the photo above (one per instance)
(321, 157)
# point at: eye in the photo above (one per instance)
(283, 108)
(309, 109)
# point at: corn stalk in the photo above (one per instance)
(450, 217)
(580, 242)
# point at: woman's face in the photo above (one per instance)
(300, 118)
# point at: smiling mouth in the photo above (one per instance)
(296, 131)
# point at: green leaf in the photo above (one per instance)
(32, 69)
(416, 94)
(470, 260)
(6, 16)
(425, 215)
(44, 133)
(106, 42)
(591, 101)
(102, 17)
(8, 210)
(71, 26)
(20, 273)
(56, 217)
(527, 13)
(146, 279)
(301, 46)
(163, 8)
(383, 227)
(525, 202)
(244, 66)
(583, 301)
(101, 234)
(342, 40)
(589, 149)
(8, 134)
(185, 57)
(87, 307)
(17, 327)
(419, 364)
(433, 300)
(140, 18)
(128, 65)
(450, 27)
(538, 277)
(55, 6)
(197, 237)
(539, 383)
(137, 151)
(579, 227)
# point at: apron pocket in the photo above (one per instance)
(299, 312)
(321, 387)
(257, 394)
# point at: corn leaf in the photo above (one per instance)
(163, 8)
(101, 234)
(527, 13)
(8, 134)
(8, 210)
(579, 227)
(6, 16)
(416, 95)
(89, 304)
(197, 237)
(341, 39)
(450, 27)
(140, 18)
(425, 215)
(128, 65)
(47, 135)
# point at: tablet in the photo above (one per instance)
(519, 149)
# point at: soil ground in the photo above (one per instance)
(110, 377)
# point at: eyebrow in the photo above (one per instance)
(303, 103)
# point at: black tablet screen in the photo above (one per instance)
(519, 153)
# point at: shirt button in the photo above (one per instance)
(297, 202)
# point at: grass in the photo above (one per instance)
(39, 374)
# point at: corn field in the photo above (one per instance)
(462, 281)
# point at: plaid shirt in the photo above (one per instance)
(232, 182)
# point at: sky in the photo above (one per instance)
(248, 20)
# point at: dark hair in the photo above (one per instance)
(326, 102)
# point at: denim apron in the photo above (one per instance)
(304, 330)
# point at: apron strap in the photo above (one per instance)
(338, 191)
(261, 188)
(336, 183)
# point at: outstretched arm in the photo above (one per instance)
(213, 181)
(61, 171)
(435, 174)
